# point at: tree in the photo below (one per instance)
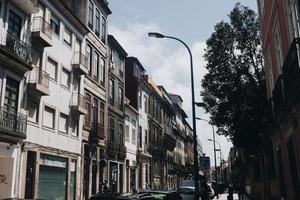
(234, 87)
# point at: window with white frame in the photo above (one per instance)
(33, 110)
(96, 66)
(102, 71)
(74, 127)
(49, 117)
(63, 123)
(127, 132)
(133, 131)
(145, 103)
(68, 37)
(65, 78)
(103, 30)
(51, 68)
(278, 47)
(54, 23)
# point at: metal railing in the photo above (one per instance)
(80, 59)
(40, 24)
(13, 43)
(40, 77)
(14, 122)
(78, 100)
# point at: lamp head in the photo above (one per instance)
(200, 104)
(156, 35)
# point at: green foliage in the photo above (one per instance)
(234, 87)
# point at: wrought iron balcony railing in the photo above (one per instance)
(13, 123)
(17, 47)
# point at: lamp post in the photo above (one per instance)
(215, 157)
(220, 150)
(196, 164)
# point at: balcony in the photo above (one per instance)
(39, 82)
(78, 104)
(80, 63)
(15, 52)
(291, 73)
(12, 126)
(169, 142)
(27, 6)
(41, 32)
(97, 131)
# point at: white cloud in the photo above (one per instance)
(167, 62)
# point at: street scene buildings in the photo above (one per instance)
(78, 114)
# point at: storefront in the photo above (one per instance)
(8, 170)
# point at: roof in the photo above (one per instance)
(136, 60)
(112, 41)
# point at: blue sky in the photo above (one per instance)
(167, 61)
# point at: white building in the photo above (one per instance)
(51, 156)
(131, 138)
(15, 62)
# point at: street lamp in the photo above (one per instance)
(215, 157)
(196, 164)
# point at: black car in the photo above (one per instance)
(143, 195)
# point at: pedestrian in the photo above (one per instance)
(230, 192)
(105, 186)
(205, 191)
(241, 191)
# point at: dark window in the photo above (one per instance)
(14, 23)
(140, 137)
(88, 107)
(112, 129)
(30, 175)
(102, 113)
(120, 98)
(91, 14)
(54, 23)
(97, 31)
(96, 66)
(11, 95)
(281, 174)
(95, 110)
(103, 30)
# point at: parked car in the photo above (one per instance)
(187, 192)
(163, 194)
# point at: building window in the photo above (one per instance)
(14, 23)
(88, 98)
(89, 56)
(102, 113)
(63, 123)
(68, 37)
(66, 78)
(140, 99)
(96, 66)
(73, 179)
(11, 95)
(54, 23)
(146, 137)
(111, 92)
(49, 117)
(91, 14)
(97, 31)
(74, 127)
(102, 71)
(120, 98)
(33, 110)
(112, 129)
(145, 103)
(133, 140)
(103, 30)
(121, 132)
(140, 137)
(51, 68)
(127, 133)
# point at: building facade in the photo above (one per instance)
(279, 34)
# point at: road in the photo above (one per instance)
(224, 197)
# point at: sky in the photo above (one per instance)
(167, 61)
